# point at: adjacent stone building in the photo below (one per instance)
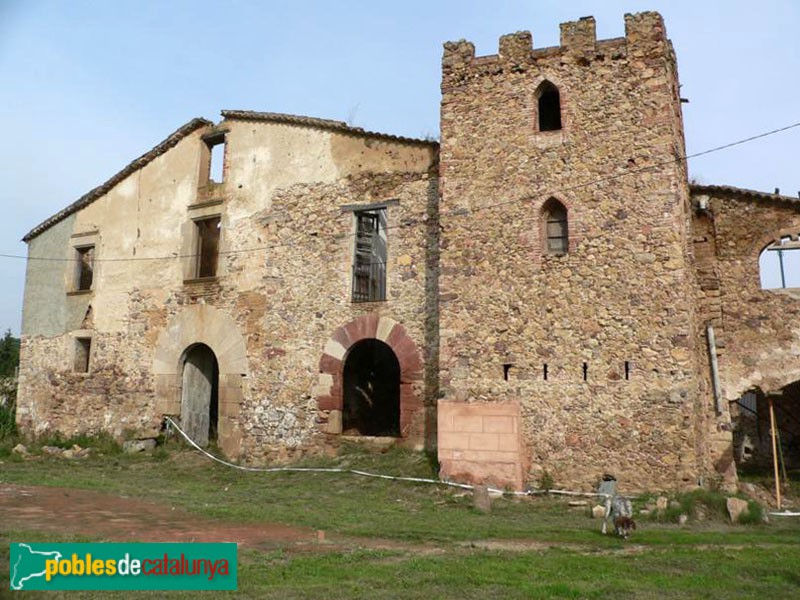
(544, 294)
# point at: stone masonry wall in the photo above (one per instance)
(623, 295)
(758, 330)
(283, 284)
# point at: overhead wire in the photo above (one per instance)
(452, 214)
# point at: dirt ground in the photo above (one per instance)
(119, 519)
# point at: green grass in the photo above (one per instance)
(712, 505)
(437, 551)
(341, 503)
(468, 573)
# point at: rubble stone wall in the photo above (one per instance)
(612, 321)
(759, 330)
(282, 286)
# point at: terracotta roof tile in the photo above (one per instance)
(250, 115)
(727, 190)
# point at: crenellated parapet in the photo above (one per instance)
(645, 32)
(645, 35)
(579, 36)
(516, 47)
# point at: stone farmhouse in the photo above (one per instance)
(541, 291)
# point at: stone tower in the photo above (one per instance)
(566, 281)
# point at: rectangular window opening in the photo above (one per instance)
(83, 348)
(207, 251)
(369, 262)
(627, 370)
(544, 371)
(585, 371)
(506, 369)
(84, 272)
(216, 157)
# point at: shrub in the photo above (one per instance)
(8, 425)
(713, 504)
(546, 481)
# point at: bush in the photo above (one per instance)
(8, 425)
(754, 514)
(546, 481)
(711, 504)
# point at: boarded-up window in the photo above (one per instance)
(549, 104)
(556, 227)
(83, 349)
(207, 246)
(84, 271)
(369, 262)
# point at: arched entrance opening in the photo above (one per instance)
(200, 394)
(371, 390)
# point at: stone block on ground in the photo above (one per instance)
(736, 508)
(481, 499)
(134, 446)
(20, 449)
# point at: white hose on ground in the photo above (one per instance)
(464, 486)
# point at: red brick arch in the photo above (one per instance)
(374, 326)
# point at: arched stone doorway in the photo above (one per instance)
(200, 394)
(214, 328)
(345, 341)
(371, 390)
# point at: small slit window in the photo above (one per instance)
(556, 227)
(549, 107)
(207, 251)
(84, 269)
(83, 350)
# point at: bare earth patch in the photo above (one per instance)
(117, 518)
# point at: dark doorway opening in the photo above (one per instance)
(200, 394)
(371, 402)
(752, 433)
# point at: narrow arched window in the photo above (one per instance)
(549, 101)
(556, 227)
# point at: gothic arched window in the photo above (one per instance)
(556, 228)
(549, 103)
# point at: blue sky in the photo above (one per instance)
(88, 86)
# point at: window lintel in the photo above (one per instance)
(370, 207)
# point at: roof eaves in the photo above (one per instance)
(331, 125)
(728, 190)
(131, 168)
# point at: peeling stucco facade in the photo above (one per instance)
(280, 293)
(586, 361)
